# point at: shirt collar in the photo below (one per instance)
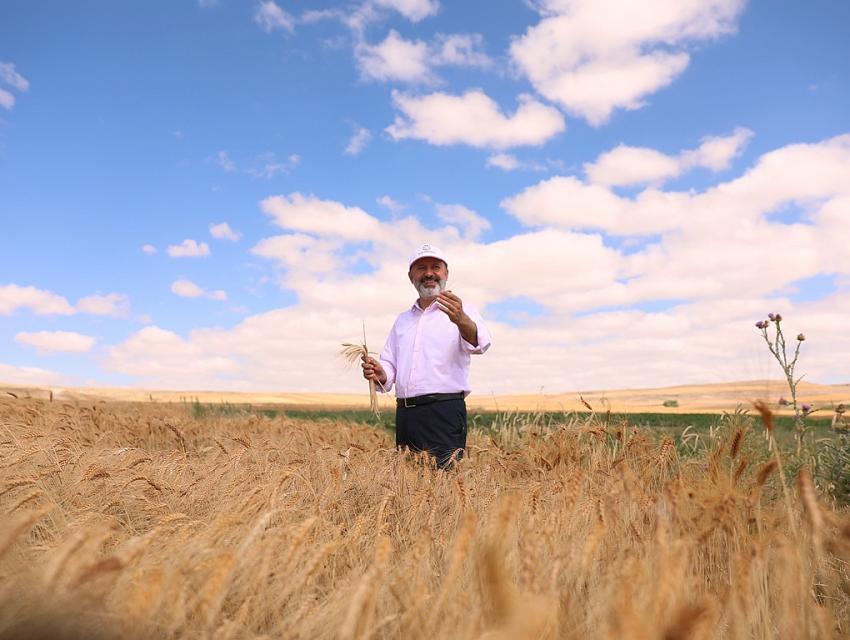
(415, 306)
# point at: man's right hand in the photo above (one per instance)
(372, 370)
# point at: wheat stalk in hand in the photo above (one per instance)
(352, 354)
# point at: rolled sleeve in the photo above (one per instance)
(484, 339)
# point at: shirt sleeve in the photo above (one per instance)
(484, 339)
(388, 361)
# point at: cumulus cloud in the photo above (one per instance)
(716, 256)
(222, 231)
(358, 141)
(271, 17)
(300, 251)
(734, 215)
(149, 249)
(591, 64)
(395, 59)
(189, 249)
(39, 301)
(626, 165)
(472, 224)
(412, 61)
(188, 289)
(474, 119)
(116, 305)
(460, 49)
(48, 342)
(310, 214)
(165, 358)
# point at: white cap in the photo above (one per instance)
(426, 251)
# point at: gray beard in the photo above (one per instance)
(431, 289)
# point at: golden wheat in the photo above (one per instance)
(138, 520)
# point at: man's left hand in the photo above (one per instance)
(452, 306)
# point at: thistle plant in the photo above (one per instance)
(778, 347)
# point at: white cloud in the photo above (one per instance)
(189, 249)
(626, 165)
(411, 61)
(473, 119)
(358, 141)
(166, 359)
(149, 249)
(13, 79)
(222, 231)
(116, 305)
(311, 215)
(395, 59)
(188, 289)
(591, 64)
(47, 342)
(718, 254)
(7, 100)
(31, 376)
(461, 49)
(632, 165)
(472, 224)
(717, 152)
(509, 162)
(504, 161)
(271, 17)
(40, 302)
(9, 76)
(719, 240)
(390, 204)
(413, 10)
(300, 251)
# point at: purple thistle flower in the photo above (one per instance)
(783, 402)
(771, 315)
(806, 408)
(760, 324)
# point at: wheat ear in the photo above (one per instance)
(354, 352)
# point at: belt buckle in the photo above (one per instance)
(408, 406)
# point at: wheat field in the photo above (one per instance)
(123, 520)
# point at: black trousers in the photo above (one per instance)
(438, 428)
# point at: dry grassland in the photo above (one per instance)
(136, 521)
(700, 398)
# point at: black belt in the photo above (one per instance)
(416, 401)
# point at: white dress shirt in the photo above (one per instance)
(425, 353)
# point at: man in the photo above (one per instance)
(427, 357)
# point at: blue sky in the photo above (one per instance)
(622, 192)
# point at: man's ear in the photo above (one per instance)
(410, 276)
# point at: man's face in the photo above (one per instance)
(429, 276)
